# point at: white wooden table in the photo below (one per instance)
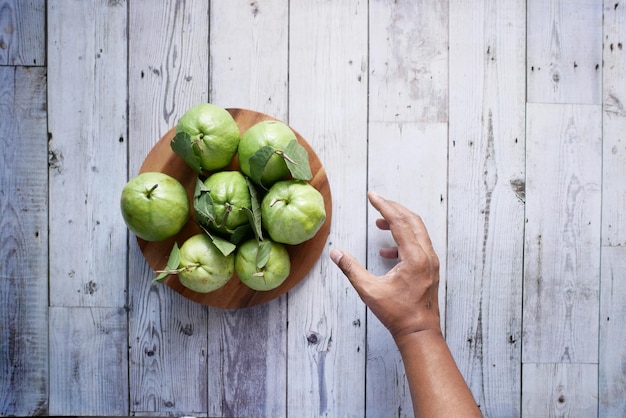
(501, 122)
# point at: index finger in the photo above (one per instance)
(407, 228)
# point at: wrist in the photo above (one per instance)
(415, 336)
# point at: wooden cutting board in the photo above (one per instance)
(234, 294)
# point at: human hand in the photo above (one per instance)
(405, 299)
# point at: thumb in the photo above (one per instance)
(354, 271)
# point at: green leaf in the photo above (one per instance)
(263, 254)
(172, 264)
(203, 205)
(240, 233)
(254, 215)
(297, 160)
(186, 149)
(226, 247)
(258, 161)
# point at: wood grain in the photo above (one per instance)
(421, 168)
(168, 73)
(486, 186)
(249, 48)
(327, 100)
(407, 160)
(560, 390)
(234, 294)
(23, 32)
(408, 61)
(614, 125)
(88, 155)
(88, 361)
(562, 254)
(612, 351)
(249, 62)
(24, 237)
(564, 49)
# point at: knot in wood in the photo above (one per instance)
(313, 338)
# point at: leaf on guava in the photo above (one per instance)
(240, 233)
(203, 205)
(183, 146)
(172, 264)
(263, 254)
(258, 161)
(254, 214)
(226, 247)
(297, 160)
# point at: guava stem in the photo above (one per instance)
(173, 271)
(149, 194)
(276, 200)
(285, 156)
(190, 267)
(229, 209)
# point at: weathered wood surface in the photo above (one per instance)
(501, 123)
(24, 238)
(328, 102)
(407, 137)
(612, 352)
(168, 334)
(486, 187)
(22, 32)
(87, 126)
(249, 68)
(564, 51)
(614, 126)
(88, 361)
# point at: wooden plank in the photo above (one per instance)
(247, 365)
(23, 32)
(87, 148)
(614, 125)
(560, 390)
(248, 67)
(24, 237)
(168, 73)
(486, 189)
(408, 61)
(88, 361)
(562, 254)
(408, 111)
(417, 178)
(328, 106)
(564, 51)
(612, 353)
(249, 56)
(168, 354)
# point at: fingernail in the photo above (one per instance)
(336, 256)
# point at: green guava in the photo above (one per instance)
(213, 136)
(262, 265)
(269, 133)
(154, 205)
(202, 267)
(231, 195)
(292, 211)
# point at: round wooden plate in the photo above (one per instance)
(234, 294)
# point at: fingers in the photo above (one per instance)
(382, 224)
(354, 271)
(406, 227)
(391, 252)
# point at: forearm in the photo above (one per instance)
(436, 384)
